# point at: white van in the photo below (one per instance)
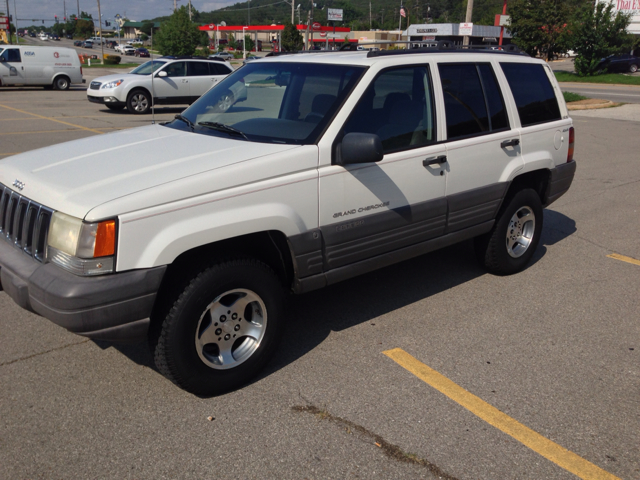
(46, 66)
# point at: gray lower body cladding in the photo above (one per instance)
(107, 307)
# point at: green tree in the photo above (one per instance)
(249, 43)
(231, 41)
(598, 33)
(292, 41)
(540, 26)
(178, 35)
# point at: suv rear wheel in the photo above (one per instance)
(512, 241)
(223, 327)
(139, 102)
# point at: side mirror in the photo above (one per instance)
(360, 148)
(162, 74)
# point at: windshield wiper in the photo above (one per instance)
(223, 128)
(185, 120)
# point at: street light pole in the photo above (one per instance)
(244, 44)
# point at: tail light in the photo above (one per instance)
(80, 69)
(572, 141)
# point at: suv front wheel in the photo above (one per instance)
(512, 241)
(223, 327)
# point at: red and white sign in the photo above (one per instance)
(56, 54)
(211, 26)
(316, 26)
(4, 23)
(466, 29)
(323, 34)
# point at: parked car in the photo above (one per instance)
(141, 52)
(249, 58)
(133, 41)
(69, 36)
(175, 81)
(189, 233)
(50, 67)
(222, 55)
(620, 63)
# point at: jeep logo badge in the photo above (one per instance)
(18, 184)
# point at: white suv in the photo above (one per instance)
(175, 80)
(190, 233)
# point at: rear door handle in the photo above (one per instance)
(510, 143)
(434, 160)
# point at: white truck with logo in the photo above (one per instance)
(49, 67)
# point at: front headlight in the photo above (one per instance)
(82, 248)
(114, 84)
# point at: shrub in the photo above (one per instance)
(112, 59)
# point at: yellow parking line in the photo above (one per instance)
(536, 442)
(7, 154)
(52, 119)
(622, 258)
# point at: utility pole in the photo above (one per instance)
(101, 42)
(293, 17)
(467, 19)
(10, 42)
(78, 17)
(370, 15)
(189, 10)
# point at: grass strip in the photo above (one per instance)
(606, 78)
(573, 97)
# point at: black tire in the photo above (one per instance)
(192, 342)
(512, 241)
(115, 108)
(633, 68)
(139, 102)
(61, 83)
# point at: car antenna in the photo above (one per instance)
(153, 74)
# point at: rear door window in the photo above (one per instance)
(535, 99)
(198, 69)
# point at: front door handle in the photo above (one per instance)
(510, 143)
(434, 160)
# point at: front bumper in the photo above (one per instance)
(108, 100)
(110, 307)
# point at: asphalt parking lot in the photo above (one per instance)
(427, 369)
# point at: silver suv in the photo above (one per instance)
(162, 81)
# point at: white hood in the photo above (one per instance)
(75, 177)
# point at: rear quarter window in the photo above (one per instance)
(535, 99)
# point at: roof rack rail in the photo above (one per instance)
(185, 57)
(446, 46)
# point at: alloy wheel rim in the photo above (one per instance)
(140, 103)
(231, 329)
(520, 232)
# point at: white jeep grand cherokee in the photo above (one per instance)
(190, 233)
(162, 81)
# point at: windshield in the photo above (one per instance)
(148, 67)
(273, 102)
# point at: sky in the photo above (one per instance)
(133, 9)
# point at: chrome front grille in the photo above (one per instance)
(24, 223)
(94, 85)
